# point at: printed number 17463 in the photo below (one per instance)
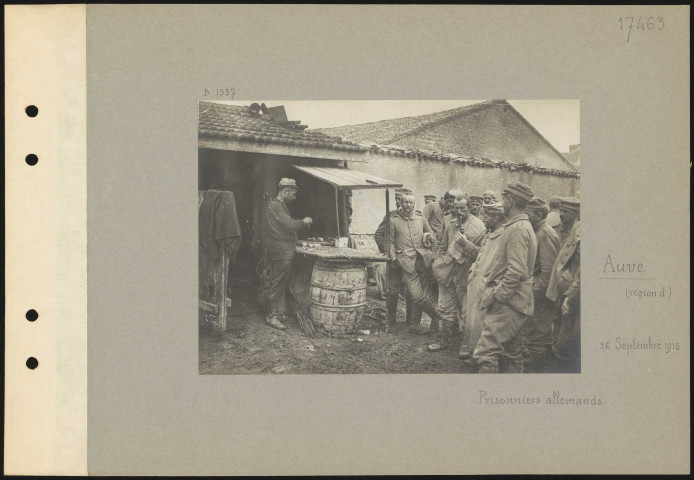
(651, 23)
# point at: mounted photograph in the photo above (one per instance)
(417, 236)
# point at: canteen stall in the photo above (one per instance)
(329, 278)
(244, 154)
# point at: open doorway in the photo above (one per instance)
(235, 172)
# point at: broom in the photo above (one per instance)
(305, 322)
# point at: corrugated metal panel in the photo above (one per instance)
(346, 178)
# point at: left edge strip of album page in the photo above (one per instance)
(46, 240)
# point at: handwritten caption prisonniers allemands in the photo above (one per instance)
(555, 398)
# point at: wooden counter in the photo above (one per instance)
(341, 254)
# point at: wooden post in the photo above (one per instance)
(337, 211)
(387, 239)
(344, 217)
(221, 324)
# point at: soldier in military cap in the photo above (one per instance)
(493, 218)
(553, 219)
(507, 299)
(412, 312)
(564, 289)
(456, 252)
(380, 238)
(569, 213)
(489, 197)
(476, 205)
(411, 243)
(280, 246)
(537, 332)
(379, 268)
(380, 235)
(435, 212)
(429, 199)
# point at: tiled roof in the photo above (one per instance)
(232, 122)
(469, 160)
(388, 131)
(238, 123)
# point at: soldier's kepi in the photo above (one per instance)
(280, 246)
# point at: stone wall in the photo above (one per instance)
(434, 177)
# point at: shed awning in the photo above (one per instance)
(346, 178)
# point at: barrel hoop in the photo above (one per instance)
(349, 288)
(337, 307)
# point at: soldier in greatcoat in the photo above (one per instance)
(413, 313)
(564, 289)
(568, 215)
(508, 293)
(493, 217)
(411, 242)
(537, 333)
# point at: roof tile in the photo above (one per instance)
(234, 122)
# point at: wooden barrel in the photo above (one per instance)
(338, 295)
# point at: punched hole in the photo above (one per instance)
(31, 110)
(32, 159)
(32, 363)
(32, 315)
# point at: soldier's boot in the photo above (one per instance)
(465, 352)
(511, 366)
(272, 318)
(392, 308)
(434, 325)
(433, 313)
(445, 339)
(556, 365)
(535, 362)
(409, 305)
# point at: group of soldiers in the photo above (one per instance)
(498, 276)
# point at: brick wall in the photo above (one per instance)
(494, 132)
(433, 177)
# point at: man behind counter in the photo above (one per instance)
(280, 246)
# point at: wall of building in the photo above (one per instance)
(494, 132)
(434, 177)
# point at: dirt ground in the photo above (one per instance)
(250, 347)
